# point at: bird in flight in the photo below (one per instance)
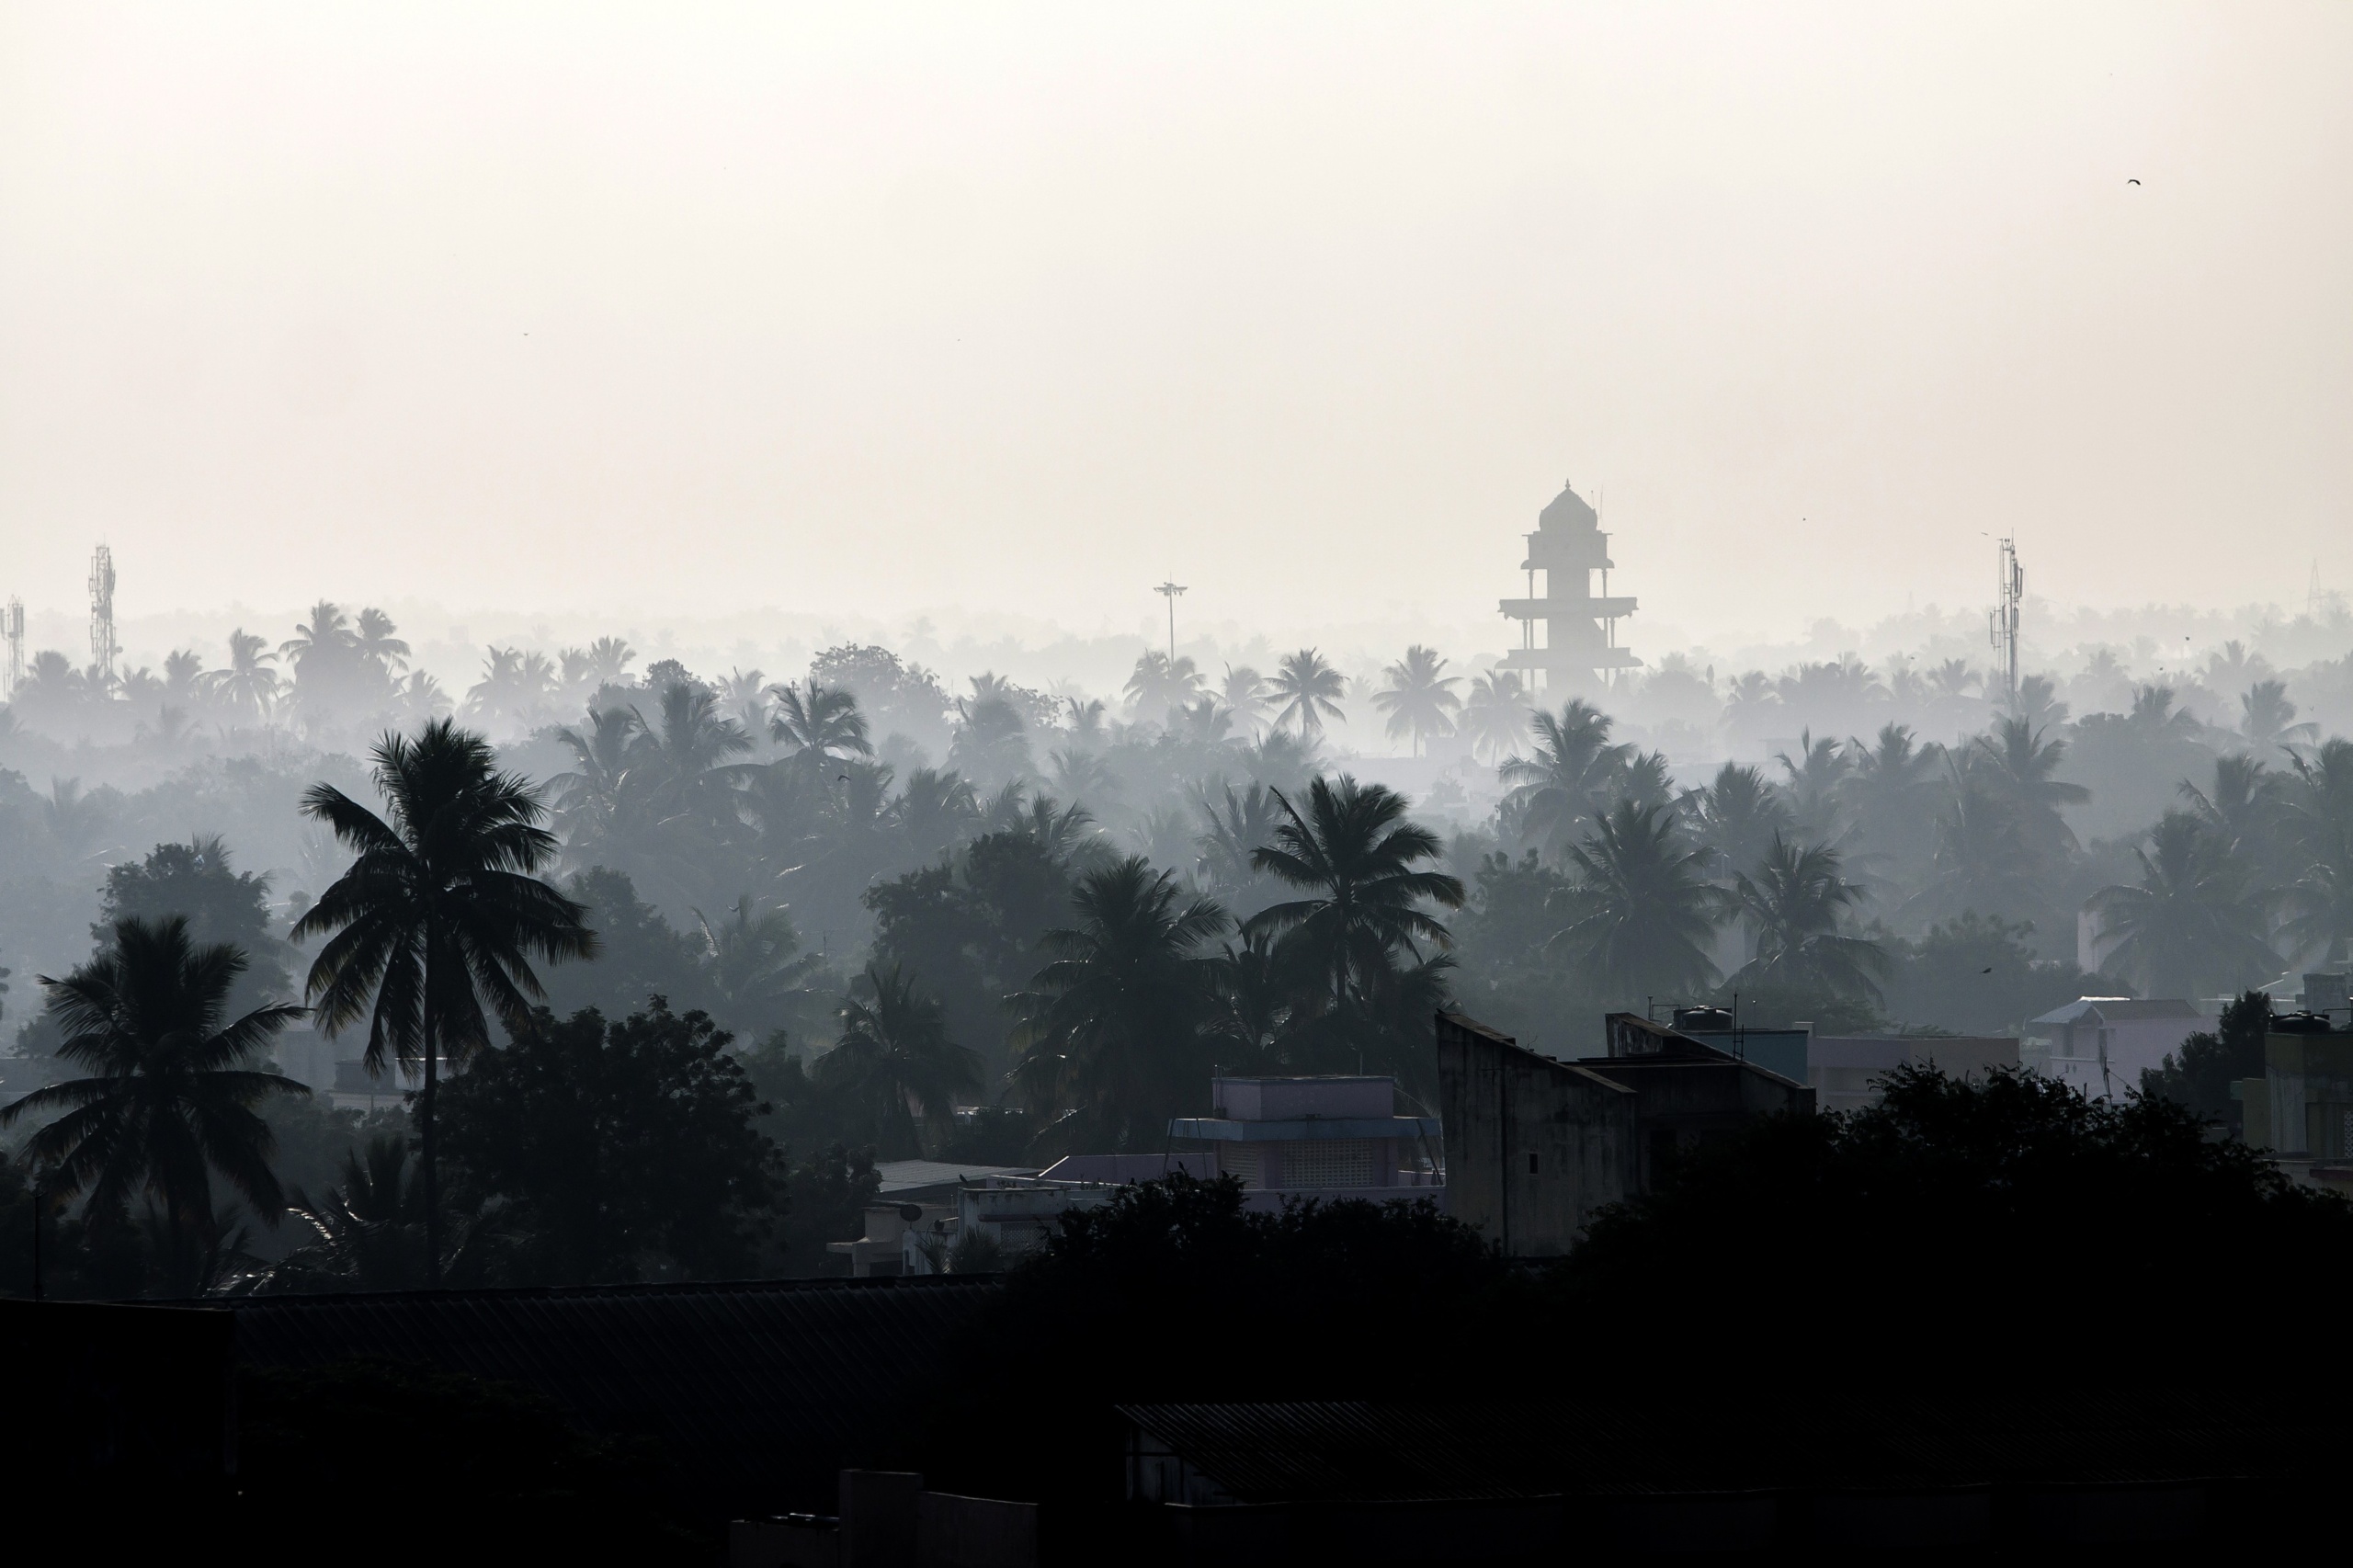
(2131, 182)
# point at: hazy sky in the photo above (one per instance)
(693, 308)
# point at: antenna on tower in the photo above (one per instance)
(2002, 622)
(12, 631)
(103, 647)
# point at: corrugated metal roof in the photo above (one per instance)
(758, 1392)
(1354, 1451)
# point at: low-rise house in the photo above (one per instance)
(1535, 1145)
(2301, 1108)
(2099, 1046)
(913, 1200)
(1844, 1070)
(1328, 1138)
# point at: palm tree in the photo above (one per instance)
(1245, 691)
(442, 908)
(1112, 1025)
(1982, 862)
(1419, 698)
(1737, 817)
(1562, 788)
(686, 753)
(819, 719)
(2193, 923)
(991, 746)
(1159, 683)
(1813, 782)
(935, 809)
(1888, 790)
(745, 693)
(247, 686)
(1306, 691)
(1496, 716)
(1238, 826)
(1795, 904)
(752, 957)
(183, 675)
(2019, 767)
(895, 1056)
(1644, 911)
(1354, 852)
(367, 1234)
(171, 1089)
(383, 652)
(325, 640)
(2319, 904)
(2268, 719)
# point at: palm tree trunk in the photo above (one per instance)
(426, 1142)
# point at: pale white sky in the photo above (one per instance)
(881, 310)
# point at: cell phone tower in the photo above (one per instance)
(103, 647)
(2002, 623)
(12, 631)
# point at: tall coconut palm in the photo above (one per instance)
(1306, 690)
(686, 749)
(1240, 821)
(1737, 816)
(745, 693)
(752, 957)
(1159, 684)
(1642, 909)
(1888, 793)
(2192, 925)
(326, 640)
(171, 1087)
(441, 910)
(896, 1060)
(1112, 1025)
(1982, 861)
(1495, 714)
(1245, 691)
(1813, 782)
(1795, 904)
(1354, 853)
(2320, 904)
(381, 651)
(1419, 698)
(248, 685)
(1563, 788)
(2268, 719)
(2021, 767)
(819, 721)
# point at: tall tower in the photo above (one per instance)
(12, 631)
(103, 647)
(1580, 637)
(2004, 621)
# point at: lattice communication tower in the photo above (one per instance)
(12, 631)
(2002, 622)
(103, 647)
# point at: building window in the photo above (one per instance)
(1242, 1160)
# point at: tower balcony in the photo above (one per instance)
(1567, 608)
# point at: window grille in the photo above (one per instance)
(1330, 1162)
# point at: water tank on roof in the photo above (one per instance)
(1703, 1020)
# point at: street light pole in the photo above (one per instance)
(1169, 590)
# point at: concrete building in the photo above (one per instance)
(2099, 1046)
(1843, 1070)
(913, 1200)
(1536, 1144)
(1579, 640)
(2301, 1108)
(1328, 1137)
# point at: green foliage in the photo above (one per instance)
(512, 1479)
(1129, 1294)
(1977, 974)
(169, 1092)
(2200, 1075)
(828, 1195)
(618, 1147)
(221, 904)
(1937, 1212)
